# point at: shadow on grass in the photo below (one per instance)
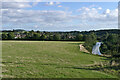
(75, 43)
(96, 68)
(6, 62)
(94, 55)
(48, 64)
(106, 58)
(84, 68)
(12, 63)
(113, 67)
(107, 69)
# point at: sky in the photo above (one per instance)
(60, 16)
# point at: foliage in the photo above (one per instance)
(90, 41)
(10, 36)
(56, 37)
(79, 37)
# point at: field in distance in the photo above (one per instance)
(48, 59)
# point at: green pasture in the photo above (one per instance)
(48, 59)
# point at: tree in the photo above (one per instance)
(11, 35)
(56, 37)
(90, 41)
(79, 37)
(112, 38)
(111, 43)
(104, 49)
(36, 36)
(51, 37)
(43, 37)
(4, 36)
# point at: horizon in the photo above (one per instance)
(59, 31)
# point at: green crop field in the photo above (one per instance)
(43, 59)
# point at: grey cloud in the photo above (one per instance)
(33, 16)
(15, 5)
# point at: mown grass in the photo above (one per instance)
(43, 59)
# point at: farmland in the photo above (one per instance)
(48, 59)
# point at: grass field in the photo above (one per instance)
(42, 59)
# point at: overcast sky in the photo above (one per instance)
(60, 16)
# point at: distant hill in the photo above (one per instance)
(14, 30)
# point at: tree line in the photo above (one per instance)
(41, 36)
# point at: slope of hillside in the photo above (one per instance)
(39, 59)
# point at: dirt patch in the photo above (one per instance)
(82, 48)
